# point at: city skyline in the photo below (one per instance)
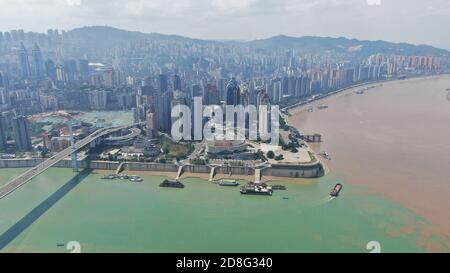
(415, 22)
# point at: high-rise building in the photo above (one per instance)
(22, 135)
(211, 96)
(98, 100)
(50, 69)
(264, 120)
(61, 74)
(179, 99)
(163, 110)
(46, 141)
(38, 63)
(152, 125)
(233, 93)
(4, 97)
(2, 81)
(222, 88)
(176, 82)
(7, 37)
(23, 62)
(83, 67)
(197, 91)
(3, 135)
(70, 68)
(57, 144)
(162, 83)
(109, 77)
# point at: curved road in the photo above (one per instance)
(40, 168)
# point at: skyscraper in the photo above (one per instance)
(264, 120)
(38, 63)
(2, 132)
(4, 96)
(70, 68)
(83, 67)
(176, 82)
(152, 125)
(23, 62)
(162, 83)
(197, 90)
(163, 110)
(22, 135)
(50, 69)
(2, 84)
(233, 93)
(211, 96)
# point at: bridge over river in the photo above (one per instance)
(40, 168)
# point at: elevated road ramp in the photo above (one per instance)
(42, 167)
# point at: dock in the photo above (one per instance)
(212, 173)
(120, 168)
(180, 172)
(312, 138)
(257, 175)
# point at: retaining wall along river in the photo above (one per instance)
(278, 170)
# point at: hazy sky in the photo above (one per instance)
(415, 21)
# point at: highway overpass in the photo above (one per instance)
(40, 168)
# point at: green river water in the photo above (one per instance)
(120, 216)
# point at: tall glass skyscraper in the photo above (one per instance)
(38, 63)
(233, 93)
(23, 61)
(22, 135)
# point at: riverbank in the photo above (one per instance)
(391, 140)
(352, 89)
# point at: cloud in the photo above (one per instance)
(421, 21)
(73, 2)
(374, 2)
(232, 5)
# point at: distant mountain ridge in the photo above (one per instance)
(102, 36)
(344, 44)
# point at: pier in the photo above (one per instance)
(120, 168)
(311, 138)
(257, 175)
(212, 173)
(180, 172)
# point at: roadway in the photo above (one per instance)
(40, 168)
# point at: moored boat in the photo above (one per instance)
(336, 190)
(135, 178)
(171, 184)
(123, 177)
(256, 189)
(110, 176)
(279, 187)
(229, 183)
